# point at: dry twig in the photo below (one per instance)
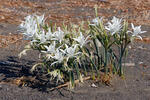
(67, 83)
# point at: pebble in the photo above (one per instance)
(93, 85)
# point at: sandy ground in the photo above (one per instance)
(135, 86)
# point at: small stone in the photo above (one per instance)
(129, 47)
(140, 62)
(93, 85)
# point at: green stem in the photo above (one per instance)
(120, 65)
(97, 50)
(122, 51)
(105, 63)
(98, 75)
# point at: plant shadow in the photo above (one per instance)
(19, 69)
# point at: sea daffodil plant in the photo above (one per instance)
(66, 51)
(115, 34)
(59, 49)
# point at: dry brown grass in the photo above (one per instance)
(9, 39)
(13, 11)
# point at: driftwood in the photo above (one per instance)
(128, 64)
(67, 83)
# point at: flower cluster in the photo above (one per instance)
(114, 34)
(57, 46)
(66, 52)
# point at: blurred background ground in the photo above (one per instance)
(136, 86)
(13, 11)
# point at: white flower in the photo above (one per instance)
(96, 21)
(137, 31)
(59, 57)
(58, 35)
(49, 34)
(40, 19)
(114, 26)
(29, 27)
(41, 36)
(51, 48)
(81, 39)
(71, 51)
